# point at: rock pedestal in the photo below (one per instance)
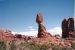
(41, 28)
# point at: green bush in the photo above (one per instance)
(44, 47)
(67, 48)
(35, 46)
(2, 45)
(73, 45)
(12, 45)
(73, 36)
(57, 47)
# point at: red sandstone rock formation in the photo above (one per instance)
(68, 27)
(39, 18)
(6, 35)
(41, 28)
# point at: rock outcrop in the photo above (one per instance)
(41, 28)
(6, 35)
(68, 28)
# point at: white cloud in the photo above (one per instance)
(55, 31)
(30, 28)
(28, 33)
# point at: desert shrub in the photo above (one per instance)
(57, 47)
(73, 45)
(73, 36)
(67, 48)
(2, 45)
(12, 45)
(35, 46)
(44, 47)
(64, 48)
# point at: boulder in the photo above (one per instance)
(39, 18)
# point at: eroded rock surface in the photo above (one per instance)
(41, 28)
(68, 27)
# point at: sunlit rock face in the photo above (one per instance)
(68, 28)
(41, 28)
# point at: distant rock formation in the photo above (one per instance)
(5, 34)
(68, 28)
(18, 35)
(41, 28)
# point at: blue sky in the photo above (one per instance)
(20, 15)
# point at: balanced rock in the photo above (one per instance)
(39, 18)
(41, 28)
(68, 27)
